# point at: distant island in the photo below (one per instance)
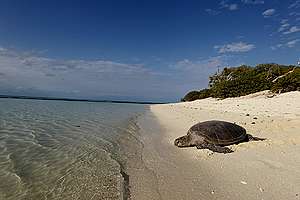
(244, 80)
(69, 99)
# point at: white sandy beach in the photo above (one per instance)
(267, 169)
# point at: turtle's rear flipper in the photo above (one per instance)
(252, 138)
(215, 148)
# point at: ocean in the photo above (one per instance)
(67, 150)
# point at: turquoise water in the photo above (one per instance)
(65, 150)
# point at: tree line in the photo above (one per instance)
(244, 80)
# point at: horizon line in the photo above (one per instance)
(74, 99)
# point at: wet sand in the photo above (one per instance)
(256, 170)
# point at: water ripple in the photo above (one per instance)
(63, 150)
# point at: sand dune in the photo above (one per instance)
(267, 169)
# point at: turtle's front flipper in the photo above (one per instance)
(214, 148)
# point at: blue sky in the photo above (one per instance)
(138, 50)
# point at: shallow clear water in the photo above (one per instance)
(65, 150)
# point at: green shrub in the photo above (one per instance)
(244, 80)
(291, 82)
(191, 96)
(194, 95)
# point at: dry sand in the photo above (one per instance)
(267, 169)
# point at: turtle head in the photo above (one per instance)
(183, 141)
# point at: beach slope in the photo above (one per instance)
(255, 170)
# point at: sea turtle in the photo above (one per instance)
(215, 136)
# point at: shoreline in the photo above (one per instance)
(256, 170)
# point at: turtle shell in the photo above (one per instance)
(219, 132)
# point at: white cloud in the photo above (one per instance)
(294, 14)
(254, 2)
(279, 46)
(293, 29)
(233, 7)
(89, 78)
(283, 27)
(289, 44)
(199, 70)
(292, 43)
(237, 47)
(229, 6)
(222, 5)
(269, 12)
(296, 4)
(212, 12)
(198, 65)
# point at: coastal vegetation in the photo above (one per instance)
(244, 80)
